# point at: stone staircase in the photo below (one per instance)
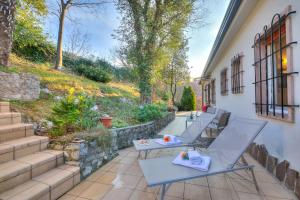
(27, 169)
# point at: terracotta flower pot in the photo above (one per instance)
(106, 121)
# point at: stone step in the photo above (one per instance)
(15, 131)
(18, 148)
(48, 186)
(4, 107)
(16, 172)
(10, 118)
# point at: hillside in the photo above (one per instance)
(115, 99)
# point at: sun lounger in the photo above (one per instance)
(187, 138)
(225, 153)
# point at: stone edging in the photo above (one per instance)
(89, 156)
(281, 171)
(123, 136)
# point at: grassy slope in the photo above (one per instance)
(110, 97)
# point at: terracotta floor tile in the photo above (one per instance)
(140, 195)
(134, 170)
(240, 185)
(195, 192)
(128, 160)
(198, 181)
(248, 196)
(118, 194)
(142, 185)
(220, 182)
(107, 178)
(221, 194)
(126, 181)
(95, 191)
(80, 188)
(176, 190)
(276, 190)
(94, 176)
(120, 168)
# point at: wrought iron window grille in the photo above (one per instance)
(224, 82)
(261, 44)
(237, 75)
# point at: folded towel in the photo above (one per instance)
(194, 156)
(203, 166)
(173, 141)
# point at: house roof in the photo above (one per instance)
(228, 18)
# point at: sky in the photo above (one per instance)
(100, 27)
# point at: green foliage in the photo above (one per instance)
(119, 123)
(29, 41)
(103, 70)
(92, 73)
(149, 112)
(73, 113)
(99, 134)
(188, 100)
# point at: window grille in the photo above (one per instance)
(213, 92)
(271, 73)
(207, 94)
(224, 82)
(237, 75)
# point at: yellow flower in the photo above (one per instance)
(71, 91)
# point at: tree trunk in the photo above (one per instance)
(7, 19)
(145, 85)
(59, 52)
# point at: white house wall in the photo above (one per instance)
(282, 139)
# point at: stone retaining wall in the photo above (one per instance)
(123, 136)
(281, 170)
(90, 156)
(19, 86)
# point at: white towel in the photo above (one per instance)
(173, 141)
(203, 166)
(195, 157)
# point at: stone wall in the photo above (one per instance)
(123, 136)
(89, 155)
(19, 86)
(281, 170)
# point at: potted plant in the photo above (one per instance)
(106, 120)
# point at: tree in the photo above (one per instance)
(188, 100)
(146, 30)
(29, 39)
(177, 72)
(78, 43)
(61, 13)
(8, 10)
(7, 20)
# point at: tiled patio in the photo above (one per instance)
(122, 179)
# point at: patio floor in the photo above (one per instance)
(122, 179)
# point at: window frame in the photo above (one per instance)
(237, 74)
(213, 91)
(287, 112)
(224, 82)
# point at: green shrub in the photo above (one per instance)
(151, 112)
(188, 99)
(29, 41)
(119, 123)
(73, 113)
(93, 73)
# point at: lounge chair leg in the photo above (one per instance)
(146, 154)
(139, 154)
(254, 179)
(252, 173)
(163, 191)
